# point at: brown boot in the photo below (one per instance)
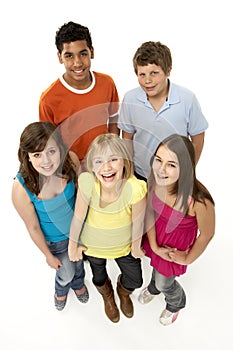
(110, 307)
(125, 301)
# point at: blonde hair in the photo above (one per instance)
(100, 145)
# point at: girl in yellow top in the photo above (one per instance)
(113, 201)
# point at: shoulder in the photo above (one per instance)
(86, 182)
(51, 89)
(185, 94)
(138, 188)
(19, 193)
(201, 208)
(103, 78)
(134, 94)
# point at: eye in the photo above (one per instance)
(52, 152)
(97, 161)
(68, 56)
(36, 155)
(157, 160)
(171, 165)
(154, 73)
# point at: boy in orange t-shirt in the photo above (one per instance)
(82, 103)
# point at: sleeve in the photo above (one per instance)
(139, 190)
(197, 121)
(124, 120)
(85, 184)
(45, 112)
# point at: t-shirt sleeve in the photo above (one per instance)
(139, 190)
(197, 121)
(85, 184)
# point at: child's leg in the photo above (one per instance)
(98, 268)
(104, 287)
(131, 270)
(130, 279)
(174, 294)
(151, 287)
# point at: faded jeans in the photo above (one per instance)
(70, 274)
(174, 294)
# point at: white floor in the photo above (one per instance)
(29, 319)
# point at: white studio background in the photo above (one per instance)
(199, 36)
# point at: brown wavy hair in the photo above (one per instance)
(34, 139)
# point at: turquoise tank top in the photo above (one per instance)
(55, 214)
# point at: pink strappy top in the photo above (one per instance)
(173, 229)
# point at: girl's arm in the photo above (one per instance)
(27, 212)
(138, 214)
(205, 215)
(163, 252)
(81, 207)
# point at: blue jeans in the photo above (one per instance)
(130, 267)
(71, 274)
(174, 294)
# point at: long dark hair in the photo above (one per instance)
(34, 139)
(187, 184)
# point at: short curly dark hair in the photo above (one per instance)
(70, 32)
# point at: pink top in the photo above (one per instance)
(173, 229)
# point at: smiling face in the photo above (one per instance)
(47, 161)
(165, 167)
(76, 57)
(153, 80)
(108, 168)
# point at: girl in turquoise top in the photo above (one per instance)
(114, 202)
(44, 196)
(180, 222)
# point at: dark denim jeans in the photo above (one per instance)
(71, 274)
(130, 268)
(172, 290)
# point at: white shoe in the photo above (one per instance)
(145, 296)
(168, 317)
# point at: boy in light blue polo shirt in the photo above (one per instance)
(158, 108)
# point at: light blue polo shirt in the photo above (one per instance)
(180, 114)
(55, 214)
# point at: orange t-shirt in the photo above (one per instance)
(80, 114)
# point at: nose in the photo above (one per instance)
(107, 165)
(45, 158)
(77, 60)
(147, 79)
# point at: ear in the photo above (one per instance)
(168, 72)
(92, 52)
(59, 57)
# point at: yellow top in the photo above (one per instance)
(107, 231)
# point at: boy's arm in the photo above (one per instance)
(128, 138)
(112, 125)
(198, 143)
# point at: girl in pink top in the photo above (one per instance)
(180, 222)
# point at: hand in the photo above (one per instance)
(164, 252)
(76, 253)
(137, 253)
(53, 262)
(179, 256)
